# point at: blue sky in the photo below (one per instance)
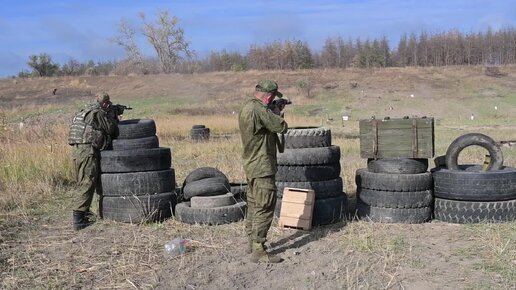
(81, 29)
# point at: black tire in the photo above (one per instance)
(138, 143)
(212, 201)
(239, 191)
(136, 128)
(466, 185)
(277, 208)
(307, 137)
(393, 182)
(396, 199)
(398, 165)
(463, 212)
(210, 216)
(153, 159)
(310, 156)
(393, 215)
(138, 183)
(308, 173)
(206, 187)
(452, 154)
(198, 126)
(330, 210)
(200, 134)
(322, 189)
(203, 172)
(138, 208)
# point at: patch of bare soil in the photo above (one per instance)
(43, 253)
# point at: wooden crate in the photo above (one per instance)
(296, 208)
(397, 138)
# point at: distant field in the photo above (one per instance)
(36, 182)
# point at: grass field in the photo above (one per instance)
(38, 250)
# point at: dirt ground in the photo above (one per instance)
(41, 252)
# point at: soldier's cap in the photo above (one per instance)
(102, 97)
(269, 86)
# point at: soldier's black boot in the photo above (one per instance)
(80, 220)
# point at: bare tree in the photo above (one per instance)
(126, 39)
(71, 68)
(168, 40)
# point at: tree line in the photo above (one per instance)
(173, 52)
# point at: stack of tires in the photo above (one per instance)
(207, 199)
(311, 162)
(395, 191)
(200, 133)
(137, 180)
(471, 193)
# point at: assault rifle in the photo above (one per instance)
(114, 111)
(278, 105)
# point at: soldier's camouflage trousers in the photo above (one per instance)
(87, 169)
(261, 200)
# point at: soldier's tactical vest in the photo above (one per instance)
(80, 131)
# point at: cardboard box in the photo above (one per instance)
(297, 208)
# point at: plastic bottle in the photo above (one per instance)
(176, 247)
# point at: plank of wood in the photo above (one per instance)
(285, 222)
(397, 138)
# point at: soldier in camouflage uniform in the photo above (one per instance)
(91, 131)
(259, 126)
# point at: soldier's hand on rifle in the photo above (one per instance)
(281, 104)
(276, 110)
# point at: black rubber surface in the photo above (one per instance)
(308, 173)
(455, 211)
(310, 156)
(393, 215)
(138, 208)
(330, 210)
(239, 190)
(210, 216)
(198, 126)
(323, 189)
(206, 187)
(477, 139)
(200, 134)
(277, 208)
(396, 199)
(393, 182)
(472, 184)
(212, 201)
(138, 183)
(138, 143)
(203, 172)
(136, 128)
(113, 161)
(307, 137)
(397, 165)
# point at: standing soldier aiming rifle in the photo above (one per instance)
(259, 121)
(91, 131)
